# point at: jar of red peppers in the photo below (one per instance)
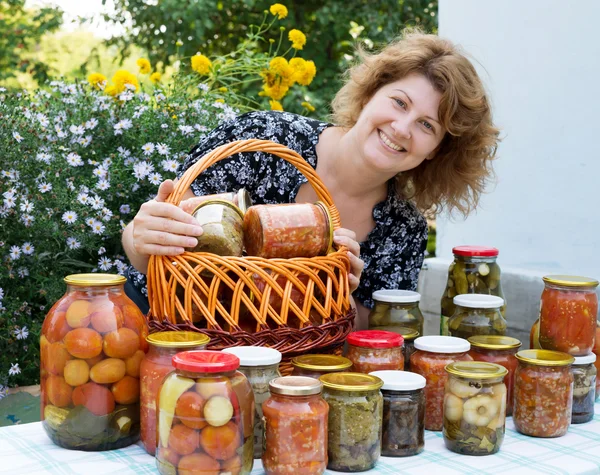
(93, 340)
(288, 230)
(295, 427)
(154, 368)
(501, 350)
(315, 366)
(568, 313)
(375, 350)
(396, 308)
(432, 355)
(543, 393)
(584, 388)
(204, 409)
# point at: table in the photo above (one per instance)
(25, 449)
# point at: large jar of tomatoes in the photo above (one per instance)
(477, 314)
(501, 350)
(543, 393)
(375, 350)
(155, 366)
(315, 366)
(473, 271)
(92, 343)
(396, 308)
(205, 416)
(295, 418)
(432, 355)
(568, 313)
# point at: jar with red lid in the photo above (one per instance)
(315, 366)
(153, 369)
(295, 418)
(240, 198)
(92, 343)
(205, 416)
(288, 230)
(432, 354)
(568, 313)
(375, 350)
(473, 271)
(501, 350)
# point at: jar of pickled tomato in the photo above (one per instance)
(375, 350)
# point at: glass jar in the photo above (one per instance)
(375, 350)
(568, 313)
(596, 351)
(202, 410)
(584, 388)
(501, 350)
(477, 314)
(315, 366)
(153, 369)
(534, 336)
(92, 342)
(543, 393)
(241, 199)
(403, 431)
(408, 348)
(396, 308)
(432, 355)
(222, 225)
(474, 407)
(295, 427)
(288, 230)
(260, 365)
(355, 420)
(473, 271)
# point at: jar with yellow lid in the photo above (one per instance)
(474, 407)
(155, 366)
(295, 417)
(355, 420)
(543, 393)
(501, 350)
(92, 343)
(396, 308)
(408, 348)
(315, 366)
(240, 198)
(568, 313)
(222, 226)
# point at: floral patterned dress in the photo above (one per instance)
(394, 250)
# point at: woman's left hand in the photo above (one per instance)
(346, 237)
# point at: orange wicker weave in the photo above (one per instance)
(189, 286)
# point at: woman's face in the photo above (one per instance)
(399, 127)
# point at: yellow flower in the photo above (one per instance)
(179, 43)
(111, 90)
(222, 89)
(278, 9)
(222, 101)
(276, 91)
(308, 106)
(281, 69)
(304, 71)
(122, 78)
(297, 38)
(201, 64)
(155, 77)
(144, 65)
(276, 106)
(97, 80)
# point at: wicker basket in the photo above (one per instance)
(185, 291)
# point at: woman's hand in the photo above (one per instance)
(346, 237)
(163, 229)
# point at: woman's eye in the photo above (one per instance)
(428, 125)
(401, 103)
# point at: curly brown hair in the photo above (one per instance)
(461, 167)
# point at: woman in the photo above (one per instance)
(413, 129)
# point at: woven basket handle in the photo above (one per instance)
(254, 145)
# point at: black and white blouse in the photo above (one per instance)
(394, 250)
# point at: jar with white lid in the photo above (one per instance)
(432, 354)
(260, 365)
(403, 431)
(584, 388)
(394, 309)
(477, 314)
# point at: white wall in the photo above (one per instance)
(540, 60)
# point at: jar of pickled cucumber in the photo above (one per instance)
(474, 407)
(476, 314)
(584, 388)
(153, 369)
(473, 271)
(222, 225)
(315, 366)
(260, 365)
(205, 416)
(92, 343)
(408, 348)
(396, 308)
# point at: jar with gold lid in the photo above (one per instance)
(222, 226)
(317, 365)
(240, 198)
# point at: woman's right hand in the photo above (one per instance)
(163, 229)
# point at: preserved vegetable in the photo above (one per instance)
(241, 199)
(315, 366)
(477, 315)
(597, 362)
(375, 350)
(584, 388)
(396, 308)
(222, 226)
